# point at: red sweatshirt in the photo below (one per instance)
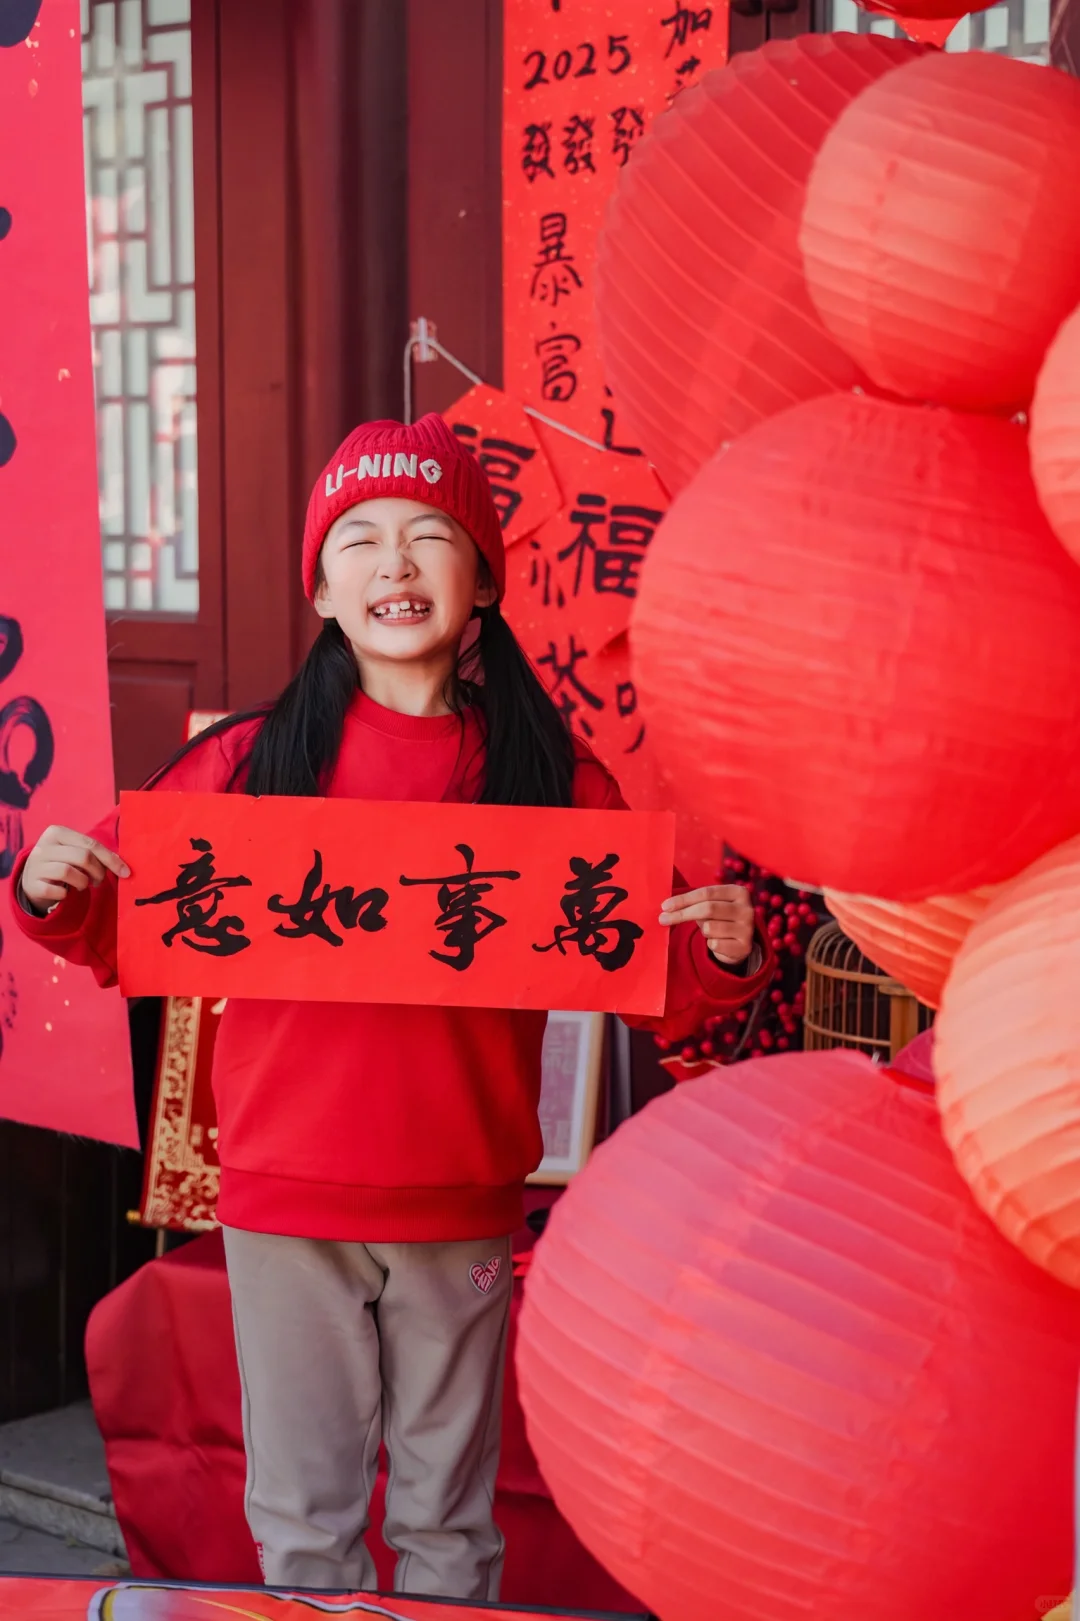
(381, 1123)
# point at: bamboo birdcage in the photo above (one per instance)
(850, 1002)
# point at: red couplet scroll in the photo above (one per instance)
(342, 900)
(65, 1057)
(582, 83)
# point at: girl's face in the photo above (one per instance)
(401, 579)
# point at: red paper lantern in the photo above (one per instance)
(857, 643)
(941, 235)
(1055, 435)
(915, 941)
(906, 12)
(773, 1360)
(1007, 1056)
(704, 321)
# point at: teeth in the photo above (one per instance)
(394, 610)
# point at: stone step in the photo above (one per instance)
(53, 1478)
(24, 1552)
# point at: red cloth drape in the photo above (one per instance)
(167, 1398)
(24, 1598)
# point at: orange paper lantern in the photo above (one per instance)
(1055, 435)
(857, 640)
(771, 1355)
(915, 941)
(941, 236)
(1007, 1055)
(704, 321)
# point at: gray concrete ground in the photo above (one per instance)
(56, 1511)
(24, 1552)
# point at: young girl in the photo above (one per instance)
(373, 1157)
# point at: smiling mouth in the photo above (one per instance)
(406, 612)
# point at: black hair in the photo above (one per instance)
(529, 758)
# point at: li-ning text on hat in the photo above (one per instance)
(389, 465)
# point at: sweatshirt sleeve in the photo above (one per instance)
(698, 987)
(82, 927)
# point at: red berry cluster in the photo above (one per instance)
(790, 918)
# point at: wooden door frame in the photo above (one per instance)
(162, 664)
(455, 188)
(301, 319)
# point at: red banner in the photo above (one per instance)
(65, 1060)
(504, 440)
(344, 900)
(29, 1600)
(579, 571)
(583, 79)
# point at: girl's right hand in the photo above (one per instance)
(63, 860)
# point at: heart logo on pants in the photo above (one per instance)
(485, 1277)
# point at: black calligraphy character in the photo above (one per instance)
(630, 531)
(536, 152)
(626, 699)
(502, 461)
(7, 432)
(17, 19)
(24, 764)
(23, 769)
(588, 901)
(626, 704)
(555, 274)
(684, 21)
(568, 691)
(615, 566)
(687, 69)
(462, 921)
(629, 125)
(541, 571)
(558, 377)
(577, 142)
(197, 894)
(590, 511)
(307, 913)
(608, 415)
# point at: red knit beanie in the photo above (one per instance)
(424, 462)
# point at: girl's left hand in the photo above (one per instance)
(723, 913)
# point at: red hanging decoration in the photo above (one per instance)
(910, 13)
(770, 1350)
(926, 30)
(1055, 436)
(858, 642)
(705, 324)
(941, 236)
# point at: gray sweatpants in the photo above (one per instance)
(341, 1345)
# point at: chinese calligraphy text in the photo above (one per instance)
(328, 900)
(587, 905)
(197, 894)
(463, 921)
(65, 1050)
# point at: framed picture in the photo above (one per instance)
(570, 1094)
(199, 719)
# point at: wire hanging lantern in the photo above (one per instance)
(851, 1002)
